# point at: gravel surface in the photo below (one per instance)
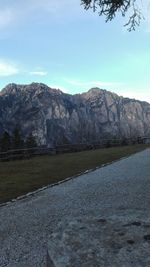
(120, 190)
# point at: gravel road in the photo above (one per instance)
(119, 190)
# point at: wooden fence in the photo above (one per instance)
(66, 148)
(25, 153)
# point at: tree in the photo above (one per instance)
(17, 142)
(31, 141)
(5, 142)
(109, 8)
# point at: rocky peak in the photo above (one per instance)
(34, 87)
(56, 118)
(92, 93)
(9, 89)
(95, 90)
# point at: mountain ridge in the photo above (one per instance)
(55, 117)
(57, 89)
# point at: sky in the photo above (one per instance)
(62, 45)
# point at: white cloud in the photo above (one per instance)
(138, 90)
(6, 17)
(8, 69)
(122, 89)
(18, 12)
(139, 95)
(38, 73)
(90, 84)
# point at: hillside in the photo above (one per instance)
(56, 118)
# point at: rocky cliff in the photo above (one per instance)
(56, 118)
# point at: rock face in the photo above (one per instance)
(56, 118)
(99, 242)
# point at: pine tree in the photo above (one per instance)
(5, 142)
(31, 141)
(17, 142)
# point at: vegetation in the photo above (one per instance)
(30, 141)
(5, 142)
(15, 141)
(20, 177)
(109, 8)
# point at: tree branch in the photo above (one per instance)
(109, 8)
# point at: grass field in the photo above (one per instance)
(20, 177)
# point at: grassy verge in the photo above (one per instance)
(20, 177)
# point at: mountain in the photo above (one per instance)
(56, 118)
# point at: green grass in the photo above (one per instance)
(20, 177)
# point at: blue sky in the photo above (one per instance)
(62, 45)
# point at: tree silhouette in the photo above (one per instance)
(31, 141)
(5, 142)
(109, 8)
(17, 142)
